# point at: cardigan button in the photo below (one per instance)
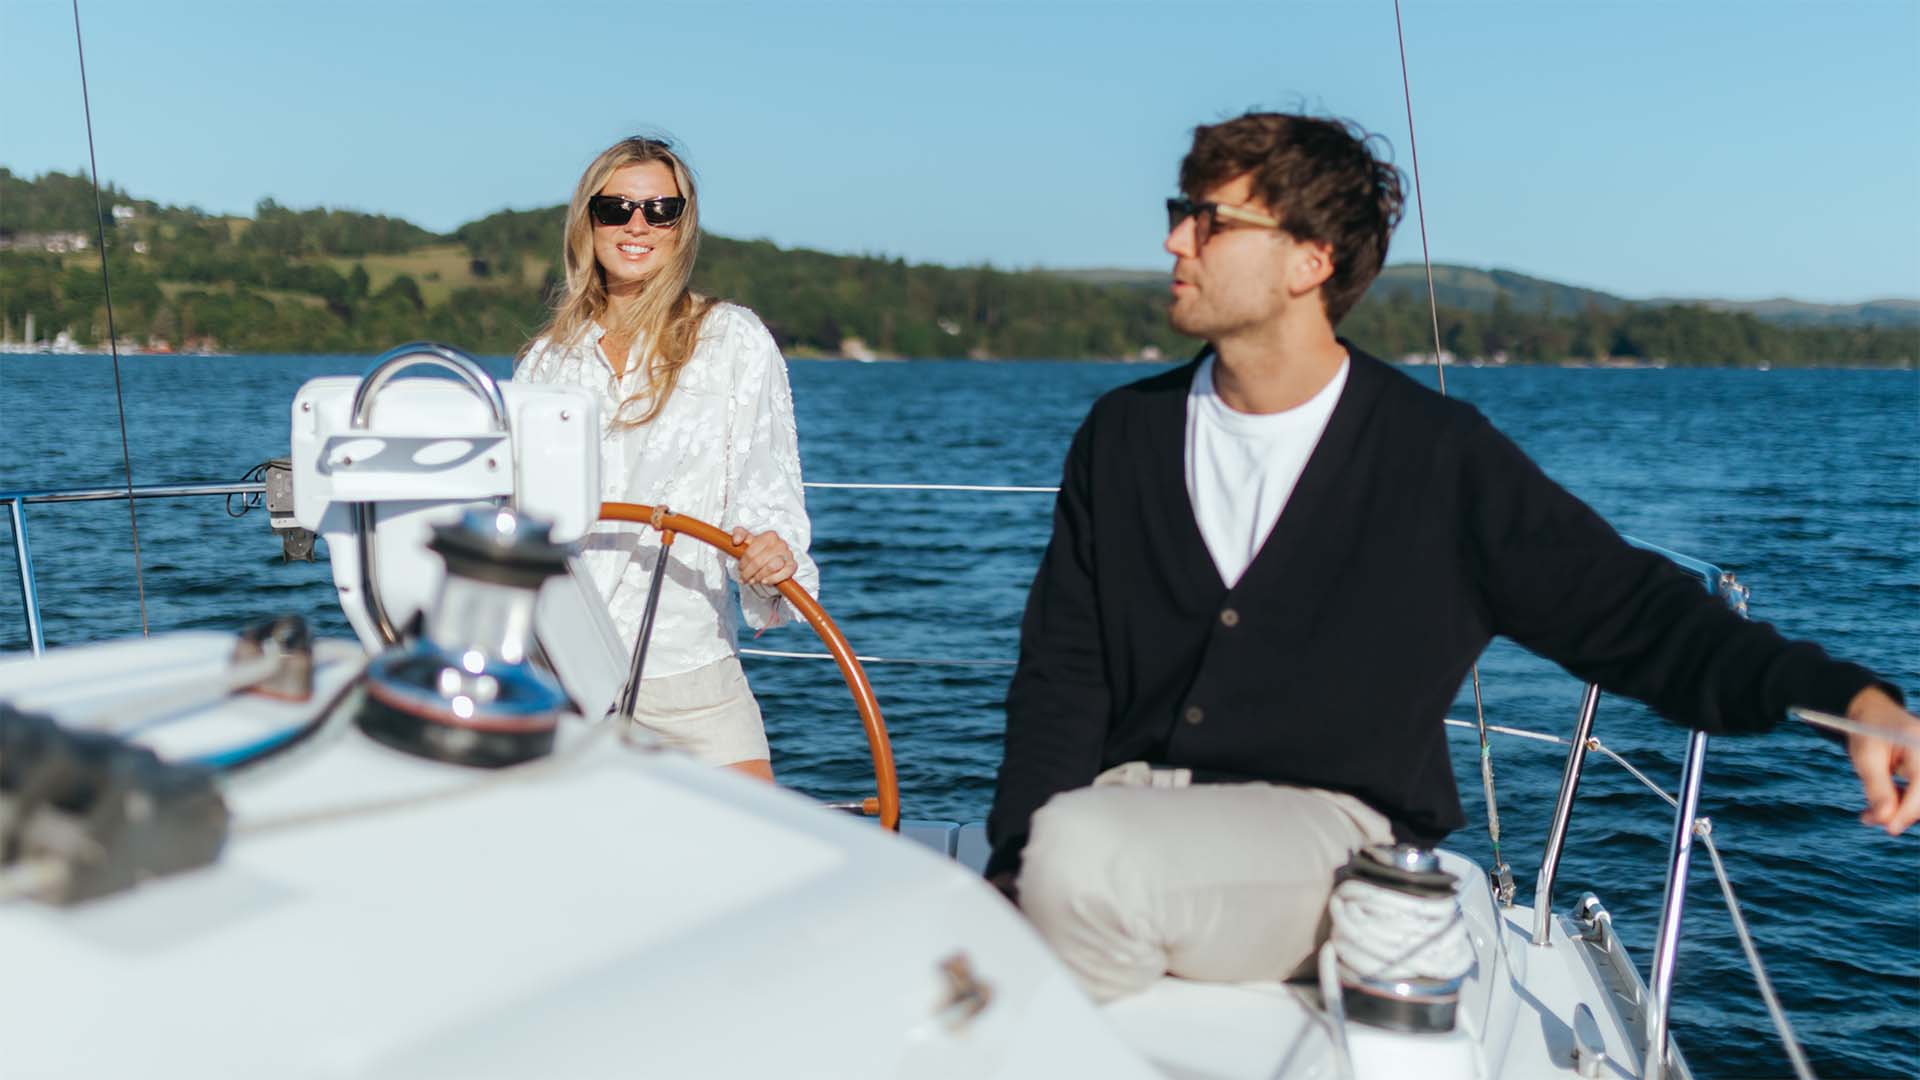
(1229, 618)
(1194, 714)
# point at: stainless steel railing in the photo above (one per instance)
(1562, 816)
(17, 502)
(1679, 857)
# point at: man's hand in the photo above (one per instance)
(1880, 762)
(768, 560)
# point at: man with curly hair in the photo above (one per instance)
(1271, 569)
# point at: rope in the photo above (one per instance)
(1852, 727)
(113, 333)
(1384, 933)
(1703, 828)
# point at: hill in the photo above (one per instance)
(1472, 289)
(339, 280)
(1891, 312)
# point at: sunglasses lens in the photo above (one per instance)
(609, 210)
(663, 211)
(1178, 210)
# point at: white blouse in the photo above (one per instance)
(723, 449)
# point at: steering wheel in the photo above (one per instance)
(887, 783)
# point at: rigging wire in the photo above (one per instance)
(1419, 201)
(113, 333)
(1701, 826)
(1505, 876)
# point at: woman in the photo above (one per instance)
(698, 417)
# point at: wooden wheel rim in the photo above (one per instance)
(887, 782)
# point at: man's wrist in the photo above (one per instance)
(1868, 701)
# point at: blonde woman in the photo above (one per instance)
(698, 417)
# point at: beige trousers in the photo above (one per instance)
(1139, 876)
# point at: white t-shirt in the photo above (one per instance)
(1242, 467)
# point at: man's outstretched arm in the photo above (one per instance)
(1558, 580)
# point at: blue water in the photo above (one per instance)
(1807, 484)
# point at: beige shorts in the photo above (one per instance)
(708, 712)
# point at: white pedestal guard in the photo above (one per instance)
(429, 452)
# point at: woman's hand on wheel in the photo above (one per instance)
(767, 561)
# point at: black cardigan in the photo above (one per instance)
(1416, 533)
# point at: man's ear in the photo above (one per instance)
(1310, 267)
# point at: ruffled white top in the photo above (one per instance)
(723, 449)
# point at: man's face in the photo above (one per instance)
(1236, 280)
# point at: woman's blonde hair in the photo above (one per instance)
(665, 320)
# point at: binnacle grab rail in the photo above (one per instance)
(1688, 826)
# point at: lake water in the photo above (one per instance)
(1805, 483)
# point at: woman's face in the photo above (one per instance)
(629, 253)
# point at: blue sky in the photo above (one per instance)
(1649, 149)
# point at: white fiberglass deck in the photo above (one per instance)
(617, 909)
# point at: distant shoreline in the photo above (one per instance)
(1407, 362)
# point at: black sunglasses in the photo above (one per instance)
(1207, 217)
(659, 212)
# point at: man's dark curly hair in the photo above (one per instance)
(1320, 177)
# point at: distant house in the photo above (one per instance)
(56, 243)
(123, 212)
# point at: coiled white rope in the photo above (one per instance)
(1383, 933)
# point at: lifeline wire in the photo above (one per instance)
(113, 333)
(998, 488)
(1801, 1067)
(930, 661)
(1440, 369)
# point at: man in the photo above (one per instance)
(1270, 571)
